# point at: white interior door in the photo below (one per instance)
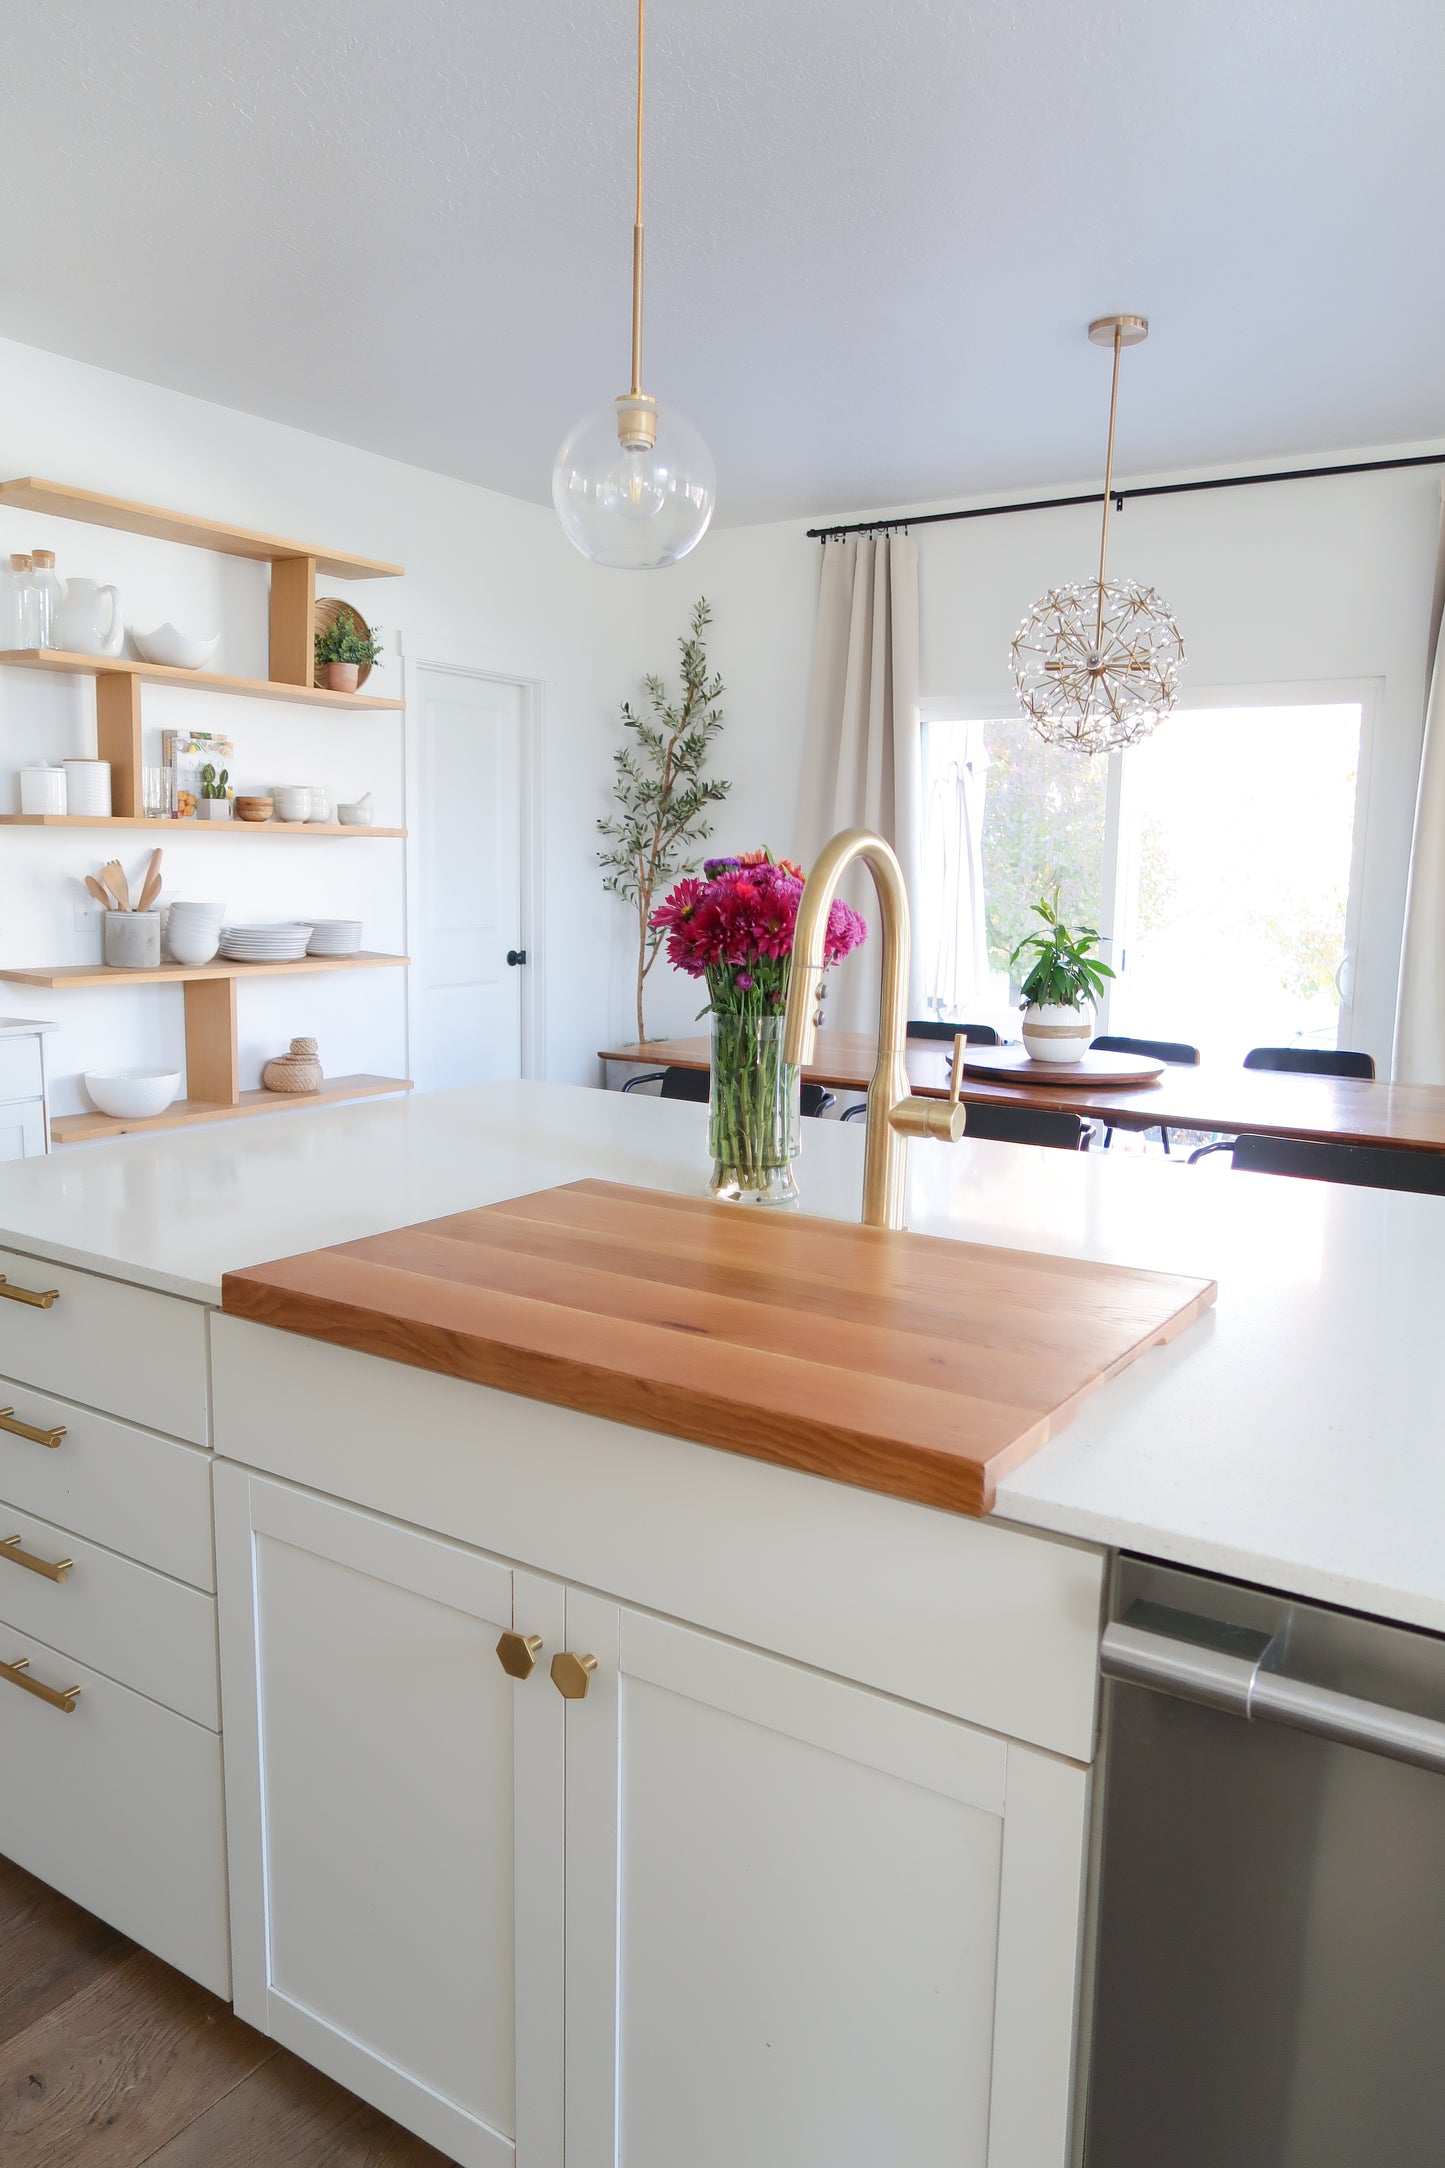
(800, 1930)
(467, 1013)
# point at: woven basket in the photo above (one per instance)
(298, 1071)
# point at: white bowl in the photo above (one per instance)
(291, 801)
(193, 944)
(355, 816)
(181, 650)
(133, 1094)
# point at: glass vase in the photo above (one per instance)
(752, 1112)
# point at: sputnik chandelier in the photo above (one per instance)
(634, 484)
(1096, 665)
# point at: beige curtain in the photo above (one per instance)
(1420, 1009)
(862, 765)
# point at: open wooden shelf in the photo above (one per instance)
(85, 1128)
(164, 673)
(60, 978)
(32, 495)
(170, 828)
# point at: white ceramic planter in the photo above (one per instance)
(1053, 1032)
(213, 809)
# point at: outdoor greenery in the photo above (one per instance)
(660, 793)
(1043, 833)
(347, 640)
(1063, 967)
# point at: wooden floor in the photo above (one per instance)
(108, 2058)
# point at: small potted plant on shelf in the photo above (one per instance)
(215, 797)
(342, 648)
(1064, 980)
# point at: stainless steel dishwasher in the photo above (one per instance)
(1269, 1983)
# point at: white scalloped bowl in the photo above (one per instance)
(132, 1094)
(179, 650)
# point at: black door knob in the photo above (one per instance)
(516, 956)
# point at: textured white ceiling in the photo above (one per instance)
(875, 232)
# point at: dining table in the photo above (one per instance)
(1221, 1098)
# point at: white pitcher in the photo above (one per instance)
(89, 620)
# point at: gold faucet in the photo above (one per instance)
(894, 1113)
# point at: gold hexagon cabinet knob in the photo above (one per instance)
(572, 1675)
(517, 1654)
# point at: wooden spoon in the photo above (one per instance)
(114, 878)
(151, 887)
(102, 895)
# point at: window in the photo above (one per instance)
(1216, 858)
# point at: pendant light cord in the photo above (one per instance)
(637, 227)
(1108, 478)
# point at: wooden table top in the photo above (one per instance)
(1220, 1097)
(906, 1364)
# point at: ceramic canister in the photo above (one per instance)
(43, 790)
(87, 788)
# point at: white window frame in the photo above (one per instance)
(1365, 693)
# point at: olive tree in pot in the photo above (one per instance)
(1064, 980)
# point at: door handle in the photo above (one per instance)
(1240, 1685)
(516, 956)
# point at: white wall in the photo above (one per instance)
(484, 573)
(1324, 582)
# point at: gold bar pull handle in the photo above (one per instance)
(517, 1654)
(53, 1570)
(59, 1697)
(572, 1675)
(38, 1298)
(10, 1421)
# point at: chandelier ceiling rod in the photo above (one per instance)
(637, 224)
(1121, 497)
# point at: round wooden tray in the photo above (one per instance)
(1015, 1065)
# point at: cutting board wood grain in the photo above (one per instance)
(908, 1364)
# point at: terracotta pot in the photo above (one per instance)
(298, 1071)
(342, 676)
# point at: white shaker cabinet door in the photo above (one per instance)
(394, 1802)
(801, 1924)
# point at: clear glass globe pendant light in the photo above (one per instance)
(1096, 665)
(634, 484)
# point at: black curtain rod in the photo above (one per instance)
(1121, 496)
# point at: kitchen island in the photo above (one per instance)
(817, 1764)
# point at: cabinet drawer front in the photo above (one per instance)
(20, 1076)
(139, 1627)
(135, 1493)
(119, 1806)
(980, 1621)
(22, 1129)
(114, 1346)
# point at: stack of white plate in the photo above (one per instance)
(276, 944)
(335, 937)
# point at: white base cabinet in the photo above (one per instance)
(776, 1918)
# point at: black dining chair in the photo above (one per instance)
(692, 1084)
(1169, 1050)
(1014, 1125)
(1311, 1060)
(931, 1027)
(1370, 1166)
(1298, 1061)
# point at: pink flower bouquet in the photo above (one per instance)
(734, 928)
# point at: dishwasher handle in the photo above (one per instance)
(1240, 1685)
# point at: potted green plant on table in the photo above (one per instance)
(214, 802)
(1064, 979)
(343, 649)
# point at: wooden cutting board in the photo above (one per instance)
(908, 1364)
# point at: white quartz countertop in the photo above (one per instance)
(1294, 1437)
